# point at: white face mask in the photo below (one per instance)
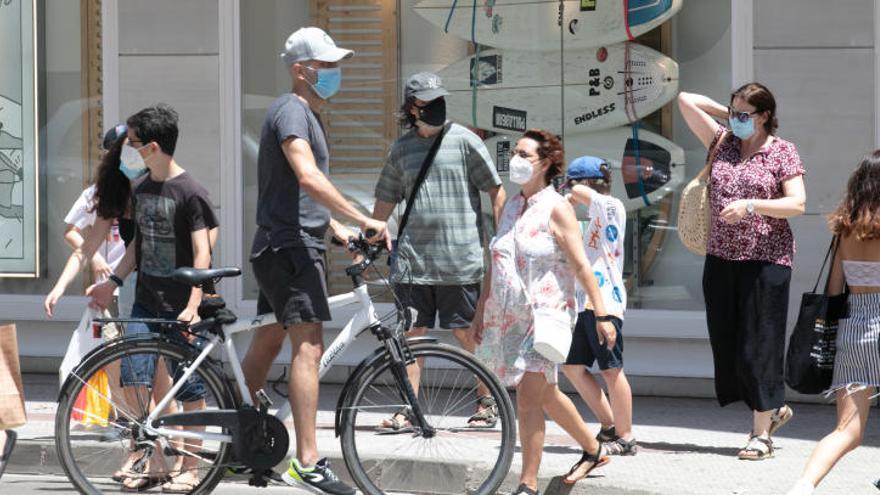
(131, 162)
(521, 170)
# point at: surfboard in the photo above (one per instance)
(604, 88)
(642, 171)
(534, 24)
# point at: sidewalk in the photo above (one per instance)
(688, 447)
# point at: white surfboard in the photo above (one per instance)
(659, 169)
(534, 24)
(604, 88)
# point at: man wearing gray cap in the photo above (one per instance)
(294, 203)
(438, 261)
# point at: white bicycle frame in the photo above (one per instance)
(362, 320)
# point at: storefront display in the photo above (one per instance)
(19, 171)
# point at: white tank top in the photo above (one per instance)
(862, 273)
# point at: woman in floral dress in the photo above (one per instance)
(536, 257)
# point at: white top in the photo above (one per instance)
(603, 245)
(862, 273)
(113, 248)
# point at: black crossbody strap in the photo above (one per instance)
(423, 172)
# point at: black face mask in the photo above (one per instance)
(434, 113)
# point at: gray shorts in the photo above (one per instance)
(454, 304)
(292, 285)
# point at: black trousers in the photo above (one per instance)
(746, 311)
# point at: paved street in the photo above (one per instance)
(687, 448)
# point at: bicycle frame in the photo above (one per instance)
(364, 319)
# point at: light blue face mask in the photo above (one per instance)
(328, 83)
(742, 130)
(131, 163)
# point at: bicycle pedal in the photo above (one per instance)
(263, 399)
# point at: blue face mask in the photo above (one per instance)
(329, 81)
(742, 130)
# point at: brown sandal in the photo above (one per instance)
(779, 418)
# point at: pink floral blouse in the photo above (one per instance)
(756, 237)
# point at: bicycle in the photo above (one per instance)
(233, 431)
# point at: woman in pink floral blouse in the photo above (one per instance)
(537, 255)
(756, 184)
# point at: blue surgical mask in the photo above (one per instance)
(131, 163)
(742, 130)
(328, 83)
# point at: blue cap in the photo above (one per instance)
(585, 167)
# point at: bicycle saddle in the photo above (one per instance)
(196, 277)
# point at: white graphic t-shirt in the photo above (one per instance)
(603, 245)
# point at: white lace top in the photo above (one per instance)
(862, 273)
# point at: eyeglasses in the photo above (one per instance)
(740, 116)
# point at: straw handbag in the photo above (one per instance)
(694, 209)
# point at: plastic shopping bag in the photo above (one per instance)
(92, 406)
(81, 343)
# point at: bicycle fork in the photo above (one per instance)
(401, 357)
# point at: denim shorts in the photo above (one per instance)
(139, 369)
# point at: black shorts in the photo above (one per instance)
(454, 304)
(292, 285)
(585, 346)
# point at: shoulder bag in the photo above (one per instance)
(809, 361)
(694, 209)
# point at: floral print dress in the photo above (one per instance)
(524, 255)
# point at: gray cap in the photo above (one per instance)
(425, 86)
(311, 43)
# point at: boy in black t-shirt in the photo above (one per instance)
(174, 222)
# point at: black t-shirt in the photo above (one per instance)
(166, 214)
(286, 215)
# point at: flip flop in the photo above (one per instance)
(145, 483)
(7, 449)
(172, 485)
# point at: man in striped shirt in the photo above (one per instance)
(438, 261)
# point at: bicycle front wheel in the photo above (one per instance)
(451, 455)
(99, 426)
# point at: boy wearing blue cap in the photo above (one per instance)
(589, 179)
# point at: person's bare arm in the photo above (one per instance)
(382, 210)
(498, 197)
(77, 261)
(102, 293)
(564, 226)
(837, 282)
(790, 205)
(699, 113)
(73, 237)
(201, 260)
(299, 155)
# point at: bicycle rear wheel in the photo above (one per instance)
(99, 425)
(455, 457)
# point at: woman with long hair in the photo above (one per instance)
(856, 225)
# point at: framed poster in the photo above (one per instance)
(19, 173)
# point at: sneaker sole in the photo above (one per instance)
(290, 480)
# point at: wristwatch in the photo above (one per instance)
(116, 280)
(750, 207)
(604, 318)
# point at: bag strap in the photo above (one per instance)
(423, 172)
(710, 157)
(829, 254)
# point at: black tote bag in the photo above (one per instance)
(809, 363)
